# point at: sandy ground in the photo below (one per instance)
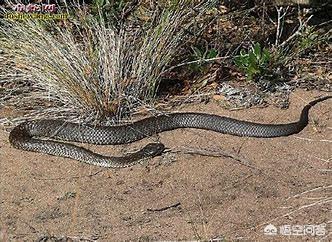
(282, 181)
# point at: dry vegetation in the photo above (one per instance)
(88, 67)
(108, 60)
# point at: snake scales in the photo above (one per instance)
(22, 136)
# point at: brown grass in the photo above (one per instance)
(87, 68)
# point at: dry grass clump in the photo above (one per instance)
(85, 67)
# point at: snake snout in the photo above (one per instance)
(153, 149)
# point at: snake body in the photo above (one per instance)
(22, 136)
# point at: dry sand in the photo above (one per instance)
(282, 181)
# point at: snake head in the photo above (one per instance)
(153, 149)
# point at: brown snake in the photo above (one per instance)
(23, 135)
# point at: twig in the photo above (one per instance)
(164, 208)
(311, 190)
(218, 153)
(196, 61)
(297, 32)
(307, 139)
(279, 24)
(321, 202)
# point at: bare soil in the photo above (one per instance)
(280, 181)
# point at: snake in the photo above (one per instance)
(52, 136)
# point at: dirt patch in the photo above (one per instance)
(282, 181)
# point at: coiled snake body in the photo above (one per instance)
(22, 136)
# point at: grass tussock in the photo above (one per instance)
(109, 58)
(86, 67)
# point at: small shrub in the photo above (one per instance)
(253, 62)
(308, 39)
(199, 55)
